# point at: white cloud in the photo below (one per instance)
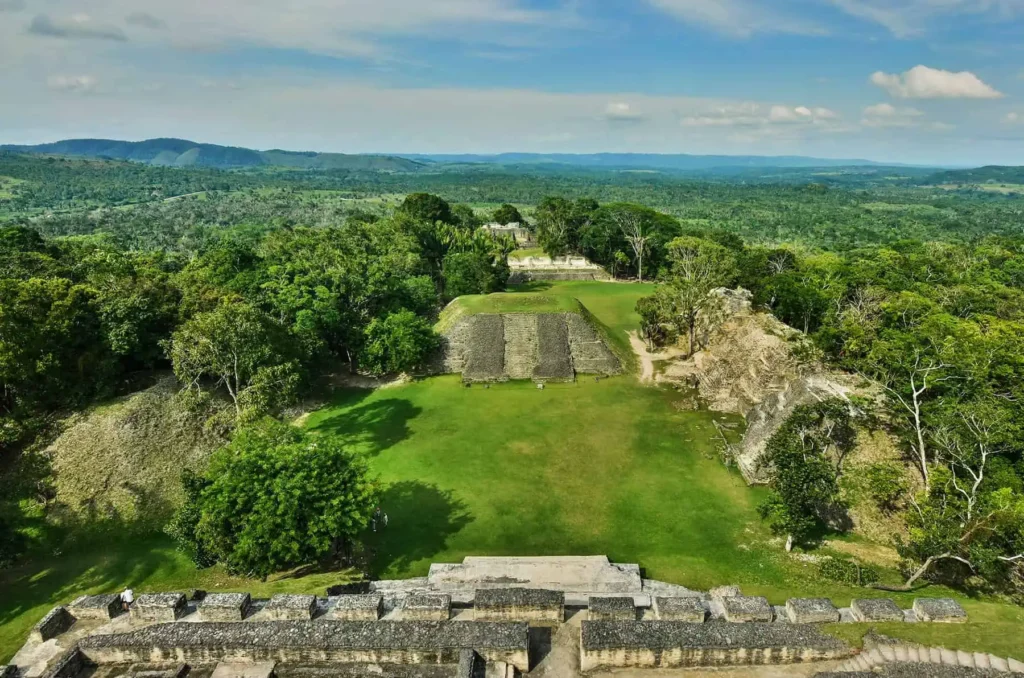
(751, 114)
(72, 83)
(1014, 118)
(738, 18)
(922, 82)
(622, 111)
(887, 115)
(74, 27)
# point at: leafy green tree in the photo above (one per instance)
(275, 498)
(241, 349)
(465, 218)
(803, 459)
(471, 273)
(697, 268)
(399, 342)
(428, 208)
(508, 214)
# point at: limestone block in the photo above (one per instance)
(244, 670)
(291, 607)
(57, 621)
(102, 607)
(612, 609)
(687, 609)
(514, 604)
(944, 610)
(876, 610)
(747, 609)
(427, 607)
(158, 607)
(8, 671)
(811, 611)
(225, 607)
(1015, 665)
(467, 668)
(368, 607)
(720, 592)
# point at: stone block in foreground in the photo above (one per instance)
(876, 610)
(427, 607)
(57, 621)
(620, 608)
(290, 607)
(692, 610)
(320, 641)
(745, 609)
(528, 605)
(943, 610)
(225, 607)
(158, 607)
(96, 608)
(657, 644)
(369, 607)
(811, 611)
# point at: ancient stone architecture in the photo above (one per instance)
(482, 618)
(529, 269)
(544, 347)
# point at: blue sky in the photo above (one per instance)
(920, 81)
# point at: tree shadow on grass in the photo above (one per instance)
(421, 518)
(372, 427)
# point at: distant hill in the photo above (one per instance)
(992, 174)
(653, 161)
(183, 153)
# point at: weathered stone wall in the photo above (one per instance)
(225, 607)
(517, 604)
(656, 644)
(68, 665)
(57, 621)
(100, 608)
(158, 607)
(313, 642)
(543, 347)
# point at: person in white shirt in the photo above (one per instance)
(127, 598)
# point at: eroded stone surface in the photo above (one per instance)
(811, 611)
(57, 621)
(290, 607)
(367, 607)
(612, 609)
(102, 607)
(685, 609)
(571, 574)
(225, 607)
(519, 604)
(876, 610)
(945, 610)
(158, 607)
(747, 609)
(427, 607)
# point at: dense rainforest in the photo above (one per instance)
(247, 283)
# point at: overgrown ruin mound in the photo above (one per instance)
(555, 342)
(122, 461)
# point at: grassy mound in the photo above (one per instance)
(505, 302)
(120, 462)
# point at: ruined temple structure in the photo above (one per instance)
(486, 618)
(544, 347)
(530, 269)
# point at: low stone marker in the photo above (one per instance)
(692, 610)
(158, 607)
(620, 608)
(658, 644)
(380, 642)
(427, 607)
(57, 621)
(746, 609)
(225, 607)
(291, 607)
(942, 610)
(528, 605)
(811, 611)
(103, 607)
(369, 607)
(876, 610)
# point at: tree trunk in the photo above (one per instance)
(909, 584)
(640, 267)
(693, 336)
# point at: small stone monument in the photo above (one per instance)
(811, 611)
(427, 607)
(876, 610)
(291, 607)
(158, 607)
(225, 607)
(103, 607)
(683, 609)
(942, 610)
(612, 608)
(745, 609)
(368, 607)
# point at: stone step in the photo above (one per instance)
(998, 663)
(981, 661)
(965, 659)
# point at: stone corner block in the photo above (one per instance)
(681, 609)
(291, 607)
(427, 607)
(103, 607)
(225, 607)
(159, 607)
(743, 609)
(876, 610)
(942, 610)
(57, 621)
(811, 611)
(611, 608)
(357, 607)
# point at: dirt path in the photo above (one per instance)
(647, 359)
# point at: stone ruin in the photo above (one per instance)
(482, 618)
(530, 269)
(543, 347)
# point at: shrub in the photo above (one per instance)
(847, 572)
(885, 484)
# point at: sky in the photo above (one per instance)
(911, 81)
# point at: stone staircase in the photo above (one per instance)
(520, 345)
(880, 651)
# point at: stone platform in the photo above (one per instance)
(571, 574)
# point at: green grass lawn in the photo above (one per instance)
(606, 467)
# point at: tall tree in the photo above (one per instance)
(697, 268)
